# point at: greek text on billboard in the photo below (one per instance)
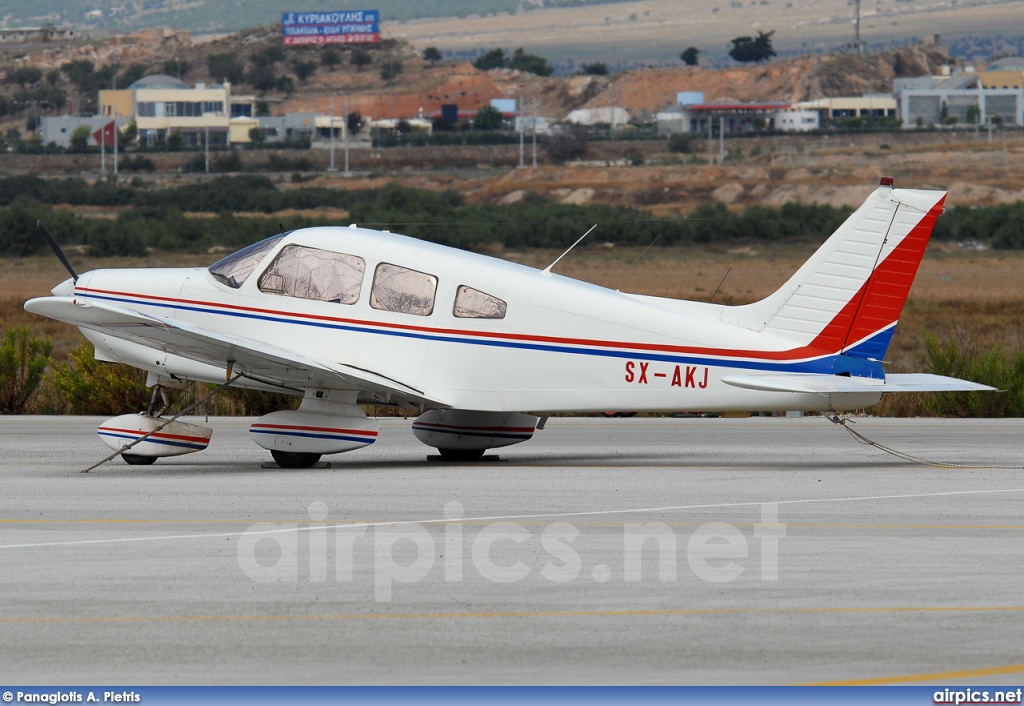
(341, 27)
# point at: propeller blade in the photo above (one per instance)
(57, 251)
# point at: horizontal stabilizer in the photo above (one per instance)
(827, 384)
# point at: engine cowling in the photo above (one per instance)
(306, 432)
(174, 439)
(468, 430)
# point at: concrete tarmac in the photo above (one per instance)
(637, 551)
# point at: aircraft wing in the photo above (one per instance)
(826, 384)
(254, 359)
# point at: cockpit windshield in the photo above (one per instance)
(236, 267)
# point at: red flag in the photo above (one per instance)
(106, 134)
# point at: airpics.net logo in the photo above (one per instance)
(505, 552)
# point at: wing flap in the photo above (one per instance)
(828, 384)
(255, 359)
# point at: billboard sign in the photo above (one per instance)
(341, 27)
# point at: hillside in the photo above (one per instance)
(422, 86)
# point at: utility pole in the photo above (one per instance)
(332, 167)
(856, 27)
(611, 118)
(391, 83)
(522, 125)
(535, 132)
(103, 151)
(711, 138)
(721, 141)
(347, 173)
(115, 143)
(206, 146)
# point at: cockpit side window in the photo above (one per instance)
(473, 304)
(405, 291)
(236, 267)
(310, 273)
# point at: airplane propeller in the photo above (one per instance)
(57, 251)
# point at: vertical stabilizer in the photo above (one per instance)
(848, 296)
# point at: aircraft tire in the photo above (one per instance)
(289, 459)
(136, 460)
(462, 455)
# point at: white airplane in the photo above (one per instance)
(485, 349)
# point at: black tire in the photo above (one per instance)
(136, 460)
(289, 459)
(461, 455)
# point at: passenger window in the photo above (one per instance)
(405, 291)
(473, 304)
(309, 273)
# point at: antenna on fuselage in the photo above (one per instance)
(547, 270)
(715, 293)
(57, 251)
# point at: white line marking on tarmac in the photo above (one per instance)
(506, 518)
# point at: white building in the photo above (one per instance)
(963, 98)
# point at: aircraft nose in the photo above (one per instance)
(64, 289)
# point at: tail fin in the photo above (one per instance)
(848, 296)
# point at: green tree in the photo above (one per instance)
(690, 56)
(132, 74)
(354, 121)
(262, 78)
(679, 142)
(84, 385)
(488, 118)
(80, 73)
(128, 134)
(390, 69)
(530, 63)
(598, 68)
(285, 84)
(25, 75)
(175, 141)
(225, 67)
(23, 358)
(753, 49)
(257, 136)
(360, 59)
(80, 138)
(176, 67)
(432, 54)
(304, 69)
(267, 57)
(494, 59)
(330, 58)
(566, 145)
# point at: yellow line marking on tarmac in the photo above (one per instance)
(524, 614)
(931, 677)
